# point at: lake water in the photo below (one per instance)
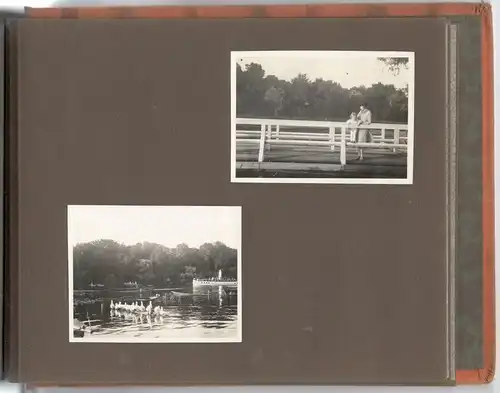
(207, 314)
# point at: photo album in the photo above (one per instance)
(248, 195)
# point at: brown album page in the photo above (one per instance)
(168, 226)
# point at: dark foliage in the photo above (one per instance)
(112, 264)
(258, 95)
(395, 64)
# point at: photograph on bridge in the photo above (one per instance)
(322, 117)
(149, 274)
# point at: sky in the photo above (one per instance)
(166, 225)
(349, 70)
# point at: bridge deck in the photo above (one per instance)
(303, 161)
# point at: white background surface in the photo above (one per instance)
(490, 388)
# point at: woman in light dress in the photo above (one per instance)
(363, 135)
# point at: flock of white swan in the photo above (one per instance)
(138, 308)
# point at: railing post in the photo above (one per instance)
(343, 153)
(270, 136)
(383, 135)
(396, 138)
(343, 149)
(262, 142)
(332, 137)
(278, 132)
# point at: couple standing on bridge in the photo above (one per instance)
(360, 135)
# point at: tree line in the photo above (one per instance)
(111, 265)
(261, 95)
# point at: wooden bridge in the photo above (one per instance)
(319, 146)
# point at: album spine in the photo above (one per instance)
(2, 136)
(11, 352)
(451, 192)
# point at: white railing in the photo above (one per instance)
(332, 135)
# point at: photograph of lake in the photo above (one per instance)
(154, 274)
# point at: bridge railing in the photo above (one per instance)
(332, 135)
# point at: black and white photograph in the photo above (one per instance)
(148, 274)
(322, 117)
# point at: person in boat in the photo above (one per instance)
(363, 135)
(352, 126)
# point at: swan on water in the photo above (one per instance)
(136, 307)
(158, 311)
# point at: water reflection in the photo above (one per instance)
(190, 314)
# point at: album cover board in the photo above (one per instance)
(472, 207)
(273, 198)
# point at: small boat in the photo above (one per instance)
(231, 292)
(150, 298)
(88, 326)
(181, 294)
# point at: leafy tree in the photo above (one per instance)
(395, 64)
(111, 264)
(274, 96)
(261, 95)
